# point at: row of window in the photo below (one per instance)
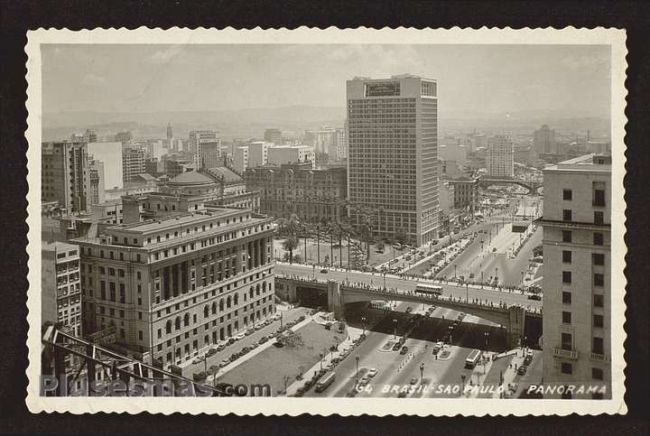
(598, 237)
(598, 278)
(597, 320)
(598, 299)
(597, 259)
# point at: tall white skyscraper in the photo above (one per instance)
(500, 157)
(393, 157)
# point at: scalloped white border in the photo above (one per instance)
(341, 406)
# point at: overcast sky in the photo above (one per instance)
(482, 79)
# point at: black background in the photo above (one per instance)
(18, 16)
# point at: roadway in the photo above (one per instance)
(395, 370)
(479, 258)
(405, 284)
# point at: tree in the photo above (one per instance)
(290, 244)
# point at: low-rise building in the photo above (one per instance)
(312, 194)
(291, 154)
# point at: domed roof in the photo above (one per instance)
(191, 178)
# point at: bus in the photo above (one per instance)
(325, 381)
(430, 290)
(473, 358)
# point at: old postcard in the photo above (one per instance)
(413, 222)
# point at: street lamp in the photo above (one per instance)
(421, 372)
(455, 270)
(487, 337)
(357, 373)
(363, 321)
(462, 378)
(395, 328)
(321, 361)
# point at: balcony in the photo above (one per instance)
(599, 357)
(565, 354)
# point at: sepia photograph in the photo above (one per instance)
(421, 222)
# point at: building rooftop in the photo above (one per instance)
(180, 220)
(225, 174)
(57, 246)
(587, 163)
(191, 178)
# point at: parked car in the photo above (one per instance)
(250, 331)
(396, 346)
(521, 370)
(240, 336)
(224, 362)
(278, 344)
(404, 350)
(324, 271)
(220, 347)
(437, 347)
(263, 339)
(372, 372)
(231, 341)
(535, 297)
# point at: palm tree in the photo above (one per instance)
(290, 244)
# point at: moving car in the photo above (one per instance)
(437, 347)
(240, 336)
(521, 370)
(535, 297)
(324, 271)
(372, 372)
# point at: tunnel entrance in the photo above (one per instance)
(309, 297)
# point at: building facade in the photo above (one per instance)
(291, 154)
(133, 163)
(544, 141)
(313, 195)
(240, 159)
(577, 282)
(61, 286)
(174, 286)
(274, 136)
(392, 156)
(258, 154)
(96, 177)
(65, 175)
(111, 154)
(500, 157)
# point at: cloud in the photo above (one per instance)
(91, 79)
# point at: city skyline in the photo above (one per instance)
(513, 78)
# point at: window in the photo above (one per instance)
(567, 215)
(566, 368)
(597, 374)
(598, 259)
(599, 279)
(140, 334)
(566, 317)
(598, 218)
(599, 321)
(567, 194)
(567, 341)
(599, 301)
(598, 238)
(566, 277)
(566, 297)
(566, 235)
(597, 346)
(599, 194)
(566, 256)
(138, 275)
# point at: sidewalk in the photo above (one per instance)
(353, 334)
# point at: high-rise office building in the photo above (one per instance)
(258, 154)
(392, 156)
(199, 137)
(170, 133)
(500, 157)
(61, 285)
(133, 163)
(96, 172)
(577, 281)
(274, 136)
(173, 286)
(111, 155)
(544, 141)
(65, 176)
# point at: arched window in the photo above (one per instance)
(206, 311)
(251, 292)
(236, 299)
(168, 327)
(214, 308)
(178, 323)
(186, 320)
(263, 286)
(221, 305)
(257, 289)
(228, 302)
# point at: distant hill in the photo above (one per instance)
(252, 122)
